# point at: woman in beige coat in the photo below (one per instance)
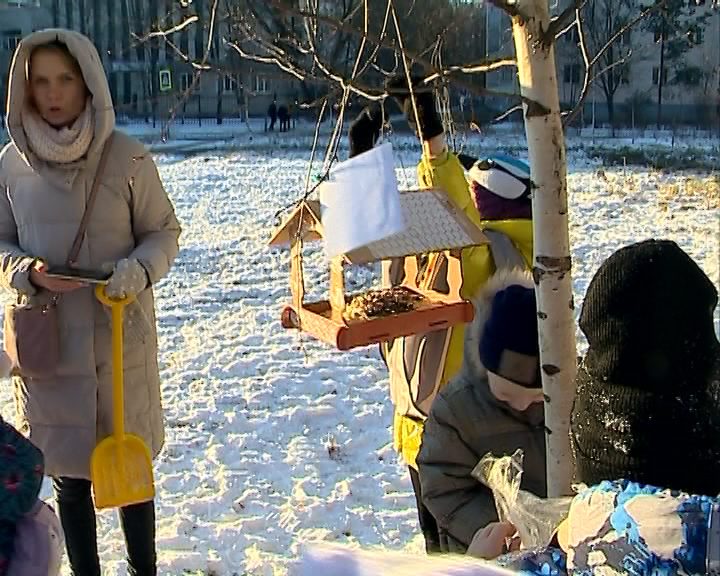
(59, 118)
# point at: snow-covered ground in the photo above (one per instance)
(275, 440)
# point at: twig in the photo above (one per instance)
(289, 68)
(340, 26)
(560, 22)
(172, 30)
(507, 113)
(485, 66)
(510, 8)
(407, 71)
(590, 63)
(586, 79)
(196, 76)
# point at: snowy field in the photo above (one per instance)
(274, 440)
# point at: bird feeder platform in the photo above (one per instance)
(428, 299)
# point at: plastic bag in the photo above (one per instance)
(536, 519)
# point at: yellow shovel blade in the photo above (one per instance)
(121, 472)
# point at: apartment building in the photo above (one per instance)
(183, 72)
(691, 84)
(689, 88)
(17, 18)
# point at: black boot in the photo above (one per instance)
(77, 516)
(138, 525)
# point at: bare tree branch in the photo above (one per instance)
(561, 22)
(389, 44)
(507, 113)
(486, 66)
(588, 66)
(266, 37)
(198, 67)
(590, 63)
(510, 8)
(299, 74)
(172, 30)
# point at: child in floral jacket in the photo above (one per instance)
(21, 476)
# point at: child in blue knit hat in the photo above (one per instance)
(494, 405)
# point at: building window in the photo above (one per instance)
(571, 74)
(185, 81)
(623, 74)
(689, 76)
(261, 85)
(229, 83)
(572, 36)
(656, 75)
(695, 35)
(165, 80)
(11, 39)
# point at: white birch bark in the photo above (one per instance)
(552, 263)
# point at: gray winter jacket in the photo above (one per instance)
(465, 423)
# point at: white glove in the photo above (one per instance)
(128, 279)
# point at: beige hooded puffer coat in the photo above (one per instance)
(41, 206)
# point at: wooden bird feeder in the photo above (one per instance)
(434, 225)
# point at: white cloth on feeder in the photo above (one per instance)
(361, 201)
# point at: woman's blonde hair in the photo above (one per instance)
(56, 46)
(59, 47)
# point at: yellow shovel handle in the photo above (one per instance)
(117, 307)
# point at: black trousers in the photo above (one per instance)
(77, 516)
(428, 525)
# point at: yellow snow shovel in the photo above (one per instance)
(120, 466)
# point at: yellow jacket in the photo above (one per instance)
(447, 173)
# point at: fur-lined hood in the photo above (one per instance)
(87, 56)
(472, 368)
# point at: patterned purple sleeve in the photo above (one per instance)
(542, 562)
(21, 473)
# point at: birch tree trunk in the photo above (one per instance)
(552, 262)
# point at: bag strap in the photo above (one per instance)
(80, 236)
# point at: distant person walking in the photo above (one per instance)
(272, 114)
(284, 117)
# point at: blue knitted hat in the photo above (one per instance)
(509, 341)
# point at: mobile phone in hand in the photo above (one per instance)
(78, 275)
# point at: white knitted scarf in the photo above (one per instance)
(63, 146)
